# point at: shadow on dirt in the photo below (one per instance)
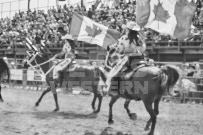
(108, 131)
(64, 115)
(54, 115)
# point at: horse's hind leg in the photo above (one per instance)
(1, 99)
(126, 106)
(156, 110)
(43, 93)
(152, 114)
(113, 100)
(156, 106)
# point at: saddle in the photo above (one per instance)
(133, 62)
(72, 66)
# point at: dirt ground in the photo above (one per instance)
(18, 116)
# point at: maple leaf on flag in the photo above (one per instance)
(93, 32)
(160, 13)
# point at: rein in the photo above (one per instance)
(45, 74)
(39, 65)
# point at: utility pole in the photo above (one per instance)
(82, 3)
(28, 6)
(57, 4)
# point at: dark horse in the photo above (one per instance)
(85, 76)
(147, 83)
(4, 70)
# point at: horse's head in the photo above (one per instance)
(4, 68)
(34, 59)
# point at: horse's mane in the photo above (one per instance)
(172, 73)
(4, 69)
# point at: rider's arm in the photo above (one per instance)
(61, 53)
(143, 45)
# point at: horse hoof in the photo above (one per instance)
(56, 110)
(146, 128)
(96, 111)
(37, 104)
(150, 133)
(111, 122)
(133, 116)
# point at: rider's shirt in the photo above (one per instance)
(127, 47)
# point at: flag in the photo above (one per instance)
(142, 12)
(201, 15)
(172, 17)
(96, 4)
(30, 45)
(85, 29)
(78, 6)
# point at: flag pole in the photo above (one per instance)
(179, 45)
(57, 4)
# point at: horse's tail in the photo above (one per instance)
(170, 76)
(4, 69)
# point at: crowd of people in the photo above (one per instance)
(52, 25)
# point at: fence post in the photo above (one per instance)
(24, 78)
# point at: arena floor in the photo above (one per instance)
(18, 116)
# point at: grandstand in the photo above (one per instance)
(160, 48)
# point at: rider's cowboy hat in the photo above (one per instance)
(67, 36)
(133, 26)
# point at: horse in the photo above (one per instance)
(146, 83)
(85, 76)
(4, 70)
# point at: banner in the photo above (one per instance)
(33, 75)
(16, 74)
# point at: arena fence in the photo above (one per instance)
(34, 80)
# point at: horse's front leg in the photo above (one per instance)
(42, 95)
(56, 102)
(93, 102)
(1, 99)
(113, 100)
(126, 106)
(99, 104)
(53, 89)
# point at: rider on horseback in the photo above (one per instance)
(68, 51)
(132, 45)
(132, 41)
(132, 48)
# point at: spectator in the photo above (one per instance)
(38, 41)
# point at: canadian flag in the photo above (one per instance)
(85, 29)
(172, 17)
